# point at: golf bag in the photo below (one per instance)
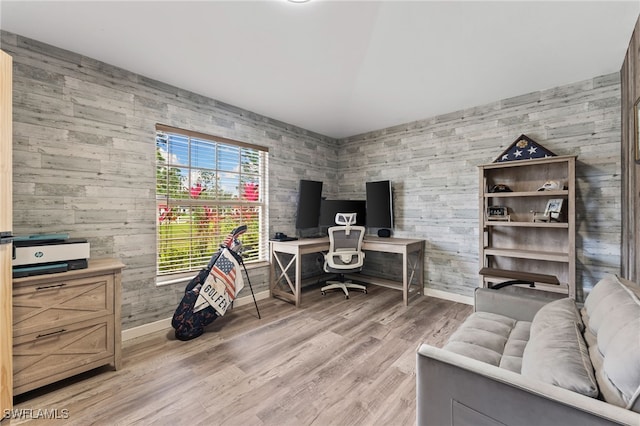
(220, 280)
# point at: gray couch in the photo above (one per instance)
(521, 360)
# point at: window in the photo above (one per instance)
(205, 187)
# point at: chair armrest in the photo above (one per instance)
(454, 389)
(520, 308)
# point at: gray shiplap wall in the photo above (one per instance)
(433, 163)
(84, 163)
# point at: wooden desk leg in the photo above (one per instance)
(284, 277)
(416, 265)
(298, 277)
(420, 261)
(272, 272)
(405, 280)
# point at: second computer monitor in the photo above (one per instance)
(379, 204)
(329, 208)
(309, 199)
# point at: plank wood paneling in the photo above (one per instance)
(84, 154)
(6, 214)
(432, 166)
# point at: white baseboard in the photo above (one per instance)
(164, 324)
(144, 329)
(467, 300)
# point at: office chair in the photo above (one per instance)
(345, 253)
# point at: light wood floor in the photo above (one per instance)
(332, 362)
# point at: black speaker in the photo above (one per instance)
(384, 233)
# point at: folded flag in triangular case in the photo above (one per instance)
(524, 148)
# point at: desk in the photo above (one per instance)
(281, 285)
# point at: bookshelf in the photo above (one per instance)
(517, 247)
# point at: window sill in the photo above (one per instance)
(185, 277)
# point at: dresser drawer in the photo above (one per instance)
(58, 352)
(58, 302)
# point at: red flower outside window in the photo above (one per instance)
(251, 191)
(196, 190)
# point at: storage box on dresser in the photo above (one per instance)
(66, 323)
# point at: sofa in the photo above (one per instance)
(519, 359)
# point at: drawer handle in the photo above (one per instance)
(50, 334)
(50, 286)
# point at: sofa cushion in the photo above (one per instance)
(514, 348)
(603, 300)
(561, 311)
(612, 318)
(559, 356)
(491, 338)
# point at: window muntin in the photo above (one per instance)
(205, 187)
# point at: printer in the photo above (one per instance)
(48, 254)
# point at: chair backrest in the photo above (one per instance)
(345, 244)
(339, 239)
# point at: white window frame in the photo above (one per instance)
(164, 201)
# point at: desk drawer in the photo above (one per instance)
(61, 351)
(37, 306)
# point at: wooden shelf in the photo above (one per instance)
(517, 275)
(548, 194)
(528, 163)
(528, 254)
(562, 288)
(526, 224)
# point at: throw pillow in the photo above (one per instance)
(559, 356)
(558, 312)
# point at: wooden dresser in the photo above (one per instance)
(66, 323)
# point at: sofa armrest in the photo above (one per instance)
(520, 308)
(455, 390)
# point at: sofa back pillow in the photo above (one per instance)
(605, 298)
(559, 356)
(612, 317)
(561, 311)
(556, 352)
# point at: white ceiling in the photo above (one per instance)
(342, 68)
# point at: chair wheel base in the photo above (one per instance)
(340, 285)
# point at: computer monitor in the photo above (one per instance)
(379, 204)
(329, 208)
(309, 199)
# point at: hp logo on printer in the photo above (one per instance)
(38, 254)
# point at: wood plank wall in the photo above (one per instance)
(84, 161)
(432, 164)
(630, 81)
(84, 164)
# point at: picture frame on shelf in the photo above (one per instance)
(553, 210)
